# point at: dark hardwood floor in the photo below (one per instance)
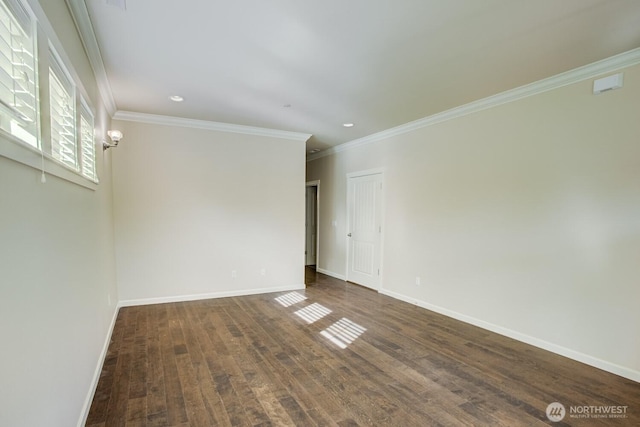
(365, 359)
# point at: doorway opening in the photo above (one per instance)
(312, 214)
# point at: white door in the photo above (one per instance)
(364, 210)
(311, 226)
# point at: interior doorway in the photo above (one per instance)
(312, 209)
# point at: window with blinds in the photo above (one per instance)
(63, 115)
(88, 148)
(70, 139)
(18, 75)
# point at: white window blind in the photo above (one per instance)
(63, 115)
(18, 76)
(88, 148)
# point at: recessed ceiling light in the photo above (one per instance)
(347, 125)
(176, 98)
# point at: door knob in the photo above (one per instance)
(349, 235)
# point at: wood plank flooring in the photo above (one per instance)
(344, 356)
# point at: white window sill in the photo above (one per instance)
(13, 149)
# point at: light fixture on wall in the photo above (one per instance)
(115, 136)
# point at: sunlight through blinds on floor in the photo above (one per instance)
(313, 312)
(343, 332)
(290, 299)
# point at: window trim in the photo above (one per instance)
(14, 149)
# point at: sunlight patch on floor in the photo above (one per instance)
(290, 299)
(343, 332)
(313, 313)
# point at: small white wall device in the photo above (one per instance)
(607, 83)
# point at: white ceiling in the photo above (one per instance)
(376, 63)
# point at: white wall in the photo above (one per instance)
(57, 275)
(192, 205)
(523, 218)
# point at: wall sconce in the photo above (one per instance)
(115, 136)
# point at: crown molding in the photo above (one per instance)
(576, 75)
(81, 18)
(208, 125)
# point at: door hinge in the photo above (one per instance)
(378, 272)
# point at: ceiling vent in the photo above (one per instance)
(607, 83)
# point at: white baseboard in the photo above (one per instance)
(96, 375)
(554, 348)
(331, 273)
(195, 297)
